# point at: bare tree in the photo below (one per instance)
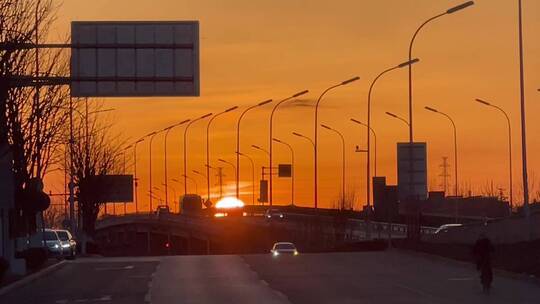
(98, 152)
(53, 217)
(31, 118)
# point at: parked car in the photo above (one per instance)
(274, 214)
(69, 245)
(444, 228)
(283, 248)
(48, 239)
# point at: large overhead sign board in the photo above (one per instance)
(126, 59)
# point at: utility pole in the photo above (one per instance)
(220, 177)
(444, 173)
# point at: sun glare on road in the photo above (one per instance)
(229, 203)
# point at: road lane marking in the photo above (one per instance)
(148, 295)
(461, 279)
(114, 268)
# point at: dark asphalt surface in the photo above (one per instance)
(366, 277)
(383, 277)
(92, 281)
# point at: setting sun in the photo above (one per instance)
(229, 203)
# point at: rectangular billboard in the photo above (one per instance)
(127, 59)
(412, 184)
(263, 191)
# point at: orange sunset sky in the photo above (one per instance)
(253, 50)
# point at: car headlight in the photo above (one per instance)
(281, 215)
(65, 246)
(296, 252)
(276, 253)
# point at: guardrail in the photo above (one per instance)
(357, 228)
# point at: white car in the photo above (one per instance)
(446, 227)
(283, 248)
(69, 245)
(48, 239)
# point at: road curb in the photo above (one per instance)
(32, 277)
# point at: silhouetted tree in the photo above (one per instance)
(97, 153)
(31, 119)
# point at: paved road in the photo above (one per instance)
(378, 277)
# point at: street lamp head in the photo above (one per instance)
(183, 122)
(222, 160)
(483, 102)
(231, 109)
(431, 109)
(300, 93)
(276, 140)
(326, 127)
(256, 147)
(151, 134)
(460, 7)
(391, 114)
(350, 80)
(264, 102)
(128, 147)
(407, 63)
(357, 121)
(297, 134)
(204, 116)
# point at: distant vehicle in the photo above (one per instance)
(191, 204)
(48, 239)
(162, 209)
(69, 245)
(283, 248)
(273, 214)
(444, 228)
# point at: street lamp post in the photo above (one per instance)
(238, 143)
(374, 143)
(368, 176)
(136, 182)
(206, 177)
(292, 167)
(270, 165)
(208, 147)
(342, 161)
(398, 118)
(455, 147)
(124, 172)
(228, 163)
(252, 177)
(314, 149)
(185, 148)
(167, 130)
(151, 135)
(511, 196)
(448, 12)
(186, 177)
(523, 117)
(316, 125)
(260, 149)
